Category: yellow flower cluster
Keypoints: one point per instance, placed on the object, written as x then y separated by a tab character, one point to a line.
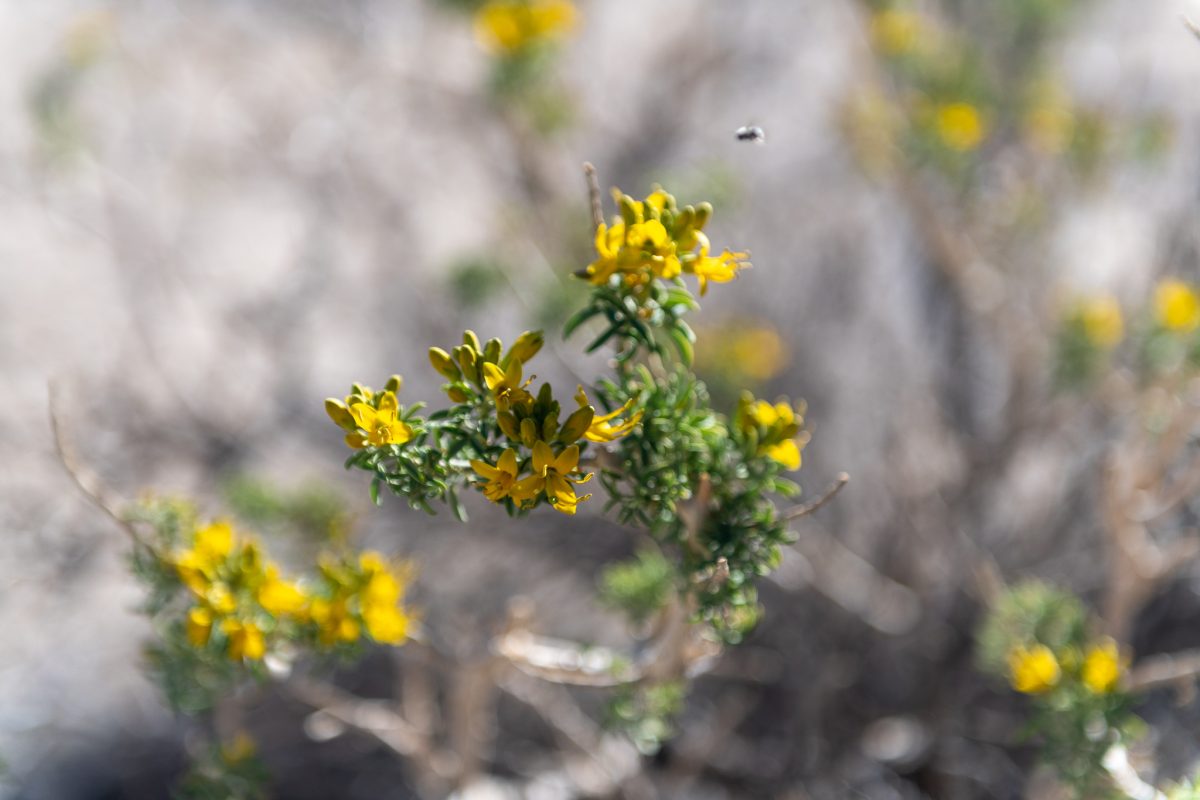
1036	669
1101	321
511	27
369	417
479	371
1177	306
243	597
654	238
774	430
363	593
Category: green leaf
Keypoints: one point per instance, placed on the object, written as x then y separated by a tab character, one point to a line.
578	318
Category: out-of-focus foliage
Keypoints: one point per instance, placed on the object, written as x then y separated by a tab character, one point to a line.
639	587
226	771
1038	638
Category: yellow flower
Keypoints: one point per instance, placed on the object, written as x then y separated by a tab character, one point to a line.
1102	667
199	626
758	353
602	429
505	385
1102	321
280	597
240	749
895	31
503	480
214	542
1177	305
1033	670
245	640
718	269
510	26
333	620
386	624
381	425
786	452
959	126
556	473
776	427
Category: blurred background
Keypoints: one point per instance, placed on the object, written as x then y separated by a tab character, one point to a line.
219	212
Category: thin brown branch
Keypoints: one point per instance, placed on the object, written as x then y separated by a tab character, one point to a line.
373	717
88	483
1165	670
593	184
808	508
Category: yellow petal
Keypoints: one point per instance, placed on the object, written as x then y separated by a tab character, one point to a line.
543	457
567	460
508	462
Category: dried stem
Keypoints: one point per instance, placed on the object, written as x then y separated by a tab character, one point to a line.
87	482
593	184
808	508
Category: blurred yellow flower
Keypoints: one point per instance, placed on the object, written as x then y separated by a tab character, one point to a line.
511	26
198	626
1102	321
1033	670
385	624
1049	128
959	126
1177	306
758	353
1102	667
774	427
281	597
895	31
245	640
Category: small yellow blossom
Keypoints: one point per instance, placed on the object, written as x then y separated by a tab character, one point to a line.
511	26
1102	321
895	31
556	474
718	269
334	621
1177	306
1033	670
281	597
959	126
602	428
245	640
503	480
1102	667
776	428
378	426
198	627
505	385
385	624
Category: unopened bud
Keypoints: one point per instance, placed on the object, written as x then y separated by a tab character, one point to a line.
444	365
341	415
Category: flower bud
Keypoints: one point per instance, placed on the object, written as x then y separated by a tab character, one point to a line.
472	341
491	351
341	415
444	365
576	425
628	210
457	394
703	213
393	384
525	347
529	432
508	424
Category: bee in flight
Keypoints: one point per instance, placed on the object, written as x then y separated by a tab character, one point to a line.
751	133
